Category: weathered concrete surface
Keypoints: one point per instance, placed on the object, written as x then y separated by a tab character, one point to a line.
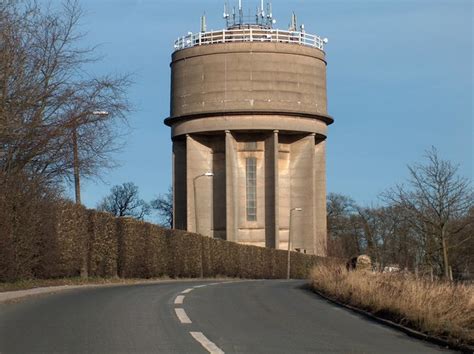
272	95
248	76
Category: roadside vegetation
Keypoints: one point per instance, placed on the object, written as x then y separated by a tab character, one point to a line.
424	225
440	308
25	284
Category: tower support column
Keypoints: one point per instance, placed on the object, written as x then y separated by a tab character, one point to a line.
231	183
272	233
319	206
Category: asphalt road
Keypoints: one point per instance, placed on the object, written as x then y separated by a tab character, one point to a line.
233	317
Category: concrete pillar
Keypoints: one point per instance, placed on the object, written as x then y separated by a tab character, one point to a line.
179	185
232	200
272	234
302	192
319	179
198	161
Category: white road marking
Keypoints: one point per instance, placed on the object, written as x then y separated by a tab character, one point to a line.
179	299
187	291
206	343
182	316
200	286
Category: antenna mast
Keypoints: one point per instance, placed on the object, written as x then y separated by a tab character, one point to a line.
226	15
241	13
203	23
293	24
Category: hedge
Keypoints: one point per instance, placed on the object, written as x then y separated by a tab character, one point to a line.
75	241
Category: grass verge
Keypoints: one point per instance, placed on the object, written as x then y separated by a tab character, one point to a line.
440	309
38	283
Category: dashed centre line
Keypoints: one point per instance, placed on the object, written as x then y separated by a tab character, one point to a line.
179	299
206	343
184	319
182	316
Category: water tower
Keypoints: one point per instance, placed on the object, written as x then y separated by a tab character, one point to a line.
248	124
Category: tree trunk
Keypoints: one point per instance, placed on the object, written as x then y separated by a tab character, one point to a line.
445	252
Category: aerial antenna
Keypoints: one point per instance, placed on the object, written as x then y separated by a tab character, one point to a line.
226	14
241	13
203	23
293	24
270	19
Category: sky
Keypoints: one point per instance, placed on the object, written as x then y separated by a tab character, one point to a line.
399	76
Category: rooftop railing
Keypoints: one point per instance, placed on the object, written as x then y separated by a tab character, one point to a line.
249	35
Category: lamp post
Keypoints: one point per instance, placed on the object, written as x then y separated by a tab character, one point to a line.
75	152
289	241
207	174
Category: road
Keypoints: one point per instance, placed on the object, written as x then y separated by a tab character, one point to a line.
269	316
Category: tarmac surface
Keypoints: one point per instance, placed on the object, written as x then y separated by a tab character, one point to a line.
261	316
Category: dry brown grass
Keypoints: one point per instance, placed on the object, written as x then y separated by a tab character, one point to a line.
440	309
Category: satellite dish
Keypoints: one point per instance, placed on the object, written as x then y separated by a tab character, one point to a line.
325	40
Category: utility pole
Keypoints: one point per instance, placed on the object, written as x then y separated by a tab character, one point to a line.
75	152
77	183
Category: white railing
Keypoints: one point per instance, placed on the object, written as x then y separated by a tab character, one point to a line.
249	35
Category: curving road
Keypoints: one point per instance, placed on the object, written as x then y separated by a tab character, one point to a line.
269	316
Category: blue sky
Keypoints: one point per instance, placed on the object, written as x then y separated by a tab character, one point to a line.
400	79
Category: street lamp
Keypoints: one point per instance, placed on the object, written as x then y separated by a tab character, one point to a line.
75	152
289	241
207	174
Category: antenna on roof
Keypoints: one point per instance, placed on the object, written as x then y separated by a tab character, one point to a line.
271	20
241	13
226	14
293	24
203	23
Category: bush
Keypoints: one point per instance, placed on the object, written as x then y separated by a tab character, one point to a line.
66	240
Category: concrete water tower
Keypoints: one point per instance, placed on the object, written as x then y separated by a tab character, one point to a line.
249	123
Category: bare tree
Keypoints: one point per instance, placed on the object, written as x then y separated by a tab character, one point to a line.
437	200
163	204
343	238
124	200
47	100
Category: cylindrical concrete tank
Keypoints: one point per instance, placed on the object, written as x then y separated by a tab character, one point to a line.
249	106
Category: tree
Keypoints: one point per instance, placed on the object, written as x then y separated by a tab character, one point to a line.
163	204
343	239
124	200
47	99
437	201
